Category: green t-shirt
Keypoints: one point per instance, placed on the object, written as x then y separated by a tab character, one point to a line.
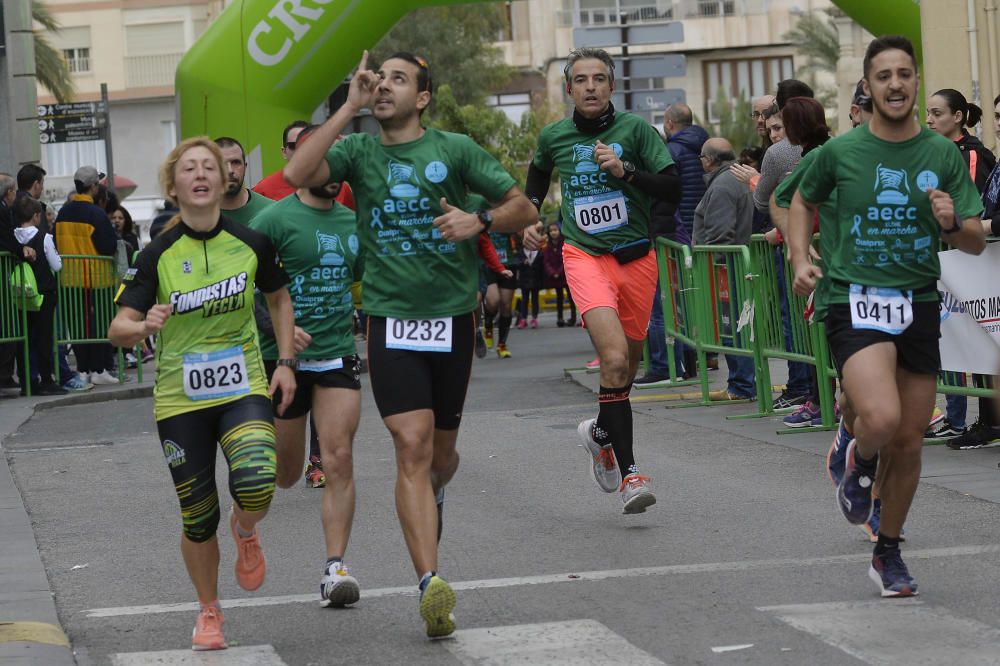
504	246
208	353
882	231
612	213
410	270
256	204
319	250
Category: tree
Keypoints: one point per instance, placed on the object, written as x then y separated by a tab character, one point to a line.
50	66
735	123
457	42
513	144
815	38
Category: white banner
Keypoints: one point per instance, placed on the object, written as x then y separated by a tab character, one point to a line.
970	311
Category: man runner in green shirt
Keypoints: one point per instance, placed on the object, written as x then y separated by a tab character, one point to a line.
420	281
316	239
611	166
238	202
899	187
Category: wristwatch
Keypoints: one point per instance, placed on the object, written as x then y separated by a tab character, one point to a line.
292	363
629	171
955	226
487	219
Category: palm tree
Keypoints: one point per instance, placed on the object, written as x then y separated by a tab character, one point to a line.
50	66
815	38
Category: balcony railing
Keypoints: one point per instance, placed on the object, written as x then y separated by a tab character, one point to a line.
663	11
151	70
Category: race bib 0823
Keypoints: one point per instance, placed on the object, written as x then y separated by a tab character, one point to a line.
218	374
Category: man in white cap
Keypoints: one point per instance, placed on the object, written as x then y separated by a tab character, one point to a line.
83	228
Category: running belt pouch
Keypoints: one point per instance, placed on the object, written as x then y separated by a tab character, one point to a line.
631	252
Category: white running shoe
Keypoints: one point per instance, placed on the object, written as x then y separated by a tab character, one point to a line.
338	588
103	377
635	492
603	466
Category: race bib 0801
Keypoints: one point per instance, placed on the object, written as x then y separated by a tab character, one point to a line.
218	374
881	309
600	212
430	335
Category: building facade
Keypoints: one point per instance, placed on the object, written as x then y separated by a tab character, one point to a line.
133	46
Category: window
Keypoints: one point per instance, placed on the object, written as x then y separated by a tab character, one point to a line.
154	38
608	12
77	60
514	105
716	7
750	78
506	31
63	159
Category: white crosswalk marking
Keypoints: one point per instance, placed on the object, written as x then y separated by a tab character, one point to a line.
253	655
572	643
908	632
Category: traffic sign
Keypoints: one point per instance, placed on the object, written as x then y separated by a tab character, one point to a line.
71	109
644	33
650	100
70	136
652	67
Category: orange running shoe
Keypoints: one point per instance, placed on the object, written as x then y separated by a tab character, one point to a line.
207	634
250	567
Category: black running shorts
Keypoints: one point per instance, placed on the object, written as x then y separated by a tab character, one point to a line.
348	377
405	380
917	347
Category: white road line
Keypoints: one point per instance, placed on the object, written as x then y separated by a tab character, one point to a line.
254	655
548	579
572	643
909	632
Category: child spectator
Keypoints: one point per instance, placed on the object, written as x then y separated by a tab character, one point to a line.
530	281
555	276
41	324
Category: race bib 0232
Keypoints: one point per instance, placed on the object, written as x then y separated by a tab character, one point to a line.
881	309
600	212
218	374
429	335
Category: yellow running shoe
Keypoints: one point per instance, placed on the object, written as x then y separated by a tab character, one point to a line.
488	337
502	350
437	602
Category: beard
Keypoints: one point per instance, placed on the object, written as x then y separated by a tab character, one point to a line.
326	191
233	188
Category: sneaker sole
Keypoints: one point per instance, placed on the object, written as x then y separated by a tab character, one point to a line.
639	503
875	578
588	443
436	608
807	424
663	383
346	592
222	645
840	507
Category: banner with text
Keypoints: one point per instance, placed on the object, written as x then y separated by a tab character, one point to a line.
970	311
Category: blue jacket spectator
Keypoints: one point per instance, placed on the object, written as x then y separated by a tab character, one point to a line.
684	141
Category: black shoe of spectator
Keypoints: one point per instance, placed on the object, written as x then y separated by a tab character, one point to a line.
979	436
786	400
49	389
9	383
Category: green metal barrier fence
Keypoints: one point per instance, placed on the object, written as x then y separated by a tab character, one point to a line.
728	287
87	287
677	297
13	317
808	340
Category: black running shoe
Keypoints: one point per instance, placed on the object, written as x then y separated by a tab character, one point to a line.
889	572
480	344
978	436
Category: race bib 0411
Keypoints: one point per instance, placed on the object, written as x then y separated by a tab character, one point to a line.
218	374
881	309
600	212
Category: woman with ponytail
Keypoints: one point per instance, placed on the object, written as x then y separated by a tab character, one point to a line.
948	114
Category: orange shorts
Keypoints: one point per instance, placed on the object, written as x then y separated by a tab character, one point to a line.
601	281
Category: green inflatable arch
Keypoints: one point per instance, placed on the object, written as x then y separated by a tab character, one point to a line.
265	63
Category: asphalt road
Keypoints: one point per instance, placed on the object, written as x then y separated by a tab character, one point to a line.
743	560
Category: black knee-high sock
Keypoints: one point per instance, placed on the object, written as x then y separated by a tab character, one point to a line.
504	325
615	419
488	318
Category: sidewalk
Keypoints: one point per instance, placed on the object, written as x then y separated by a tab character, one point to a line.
30	633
